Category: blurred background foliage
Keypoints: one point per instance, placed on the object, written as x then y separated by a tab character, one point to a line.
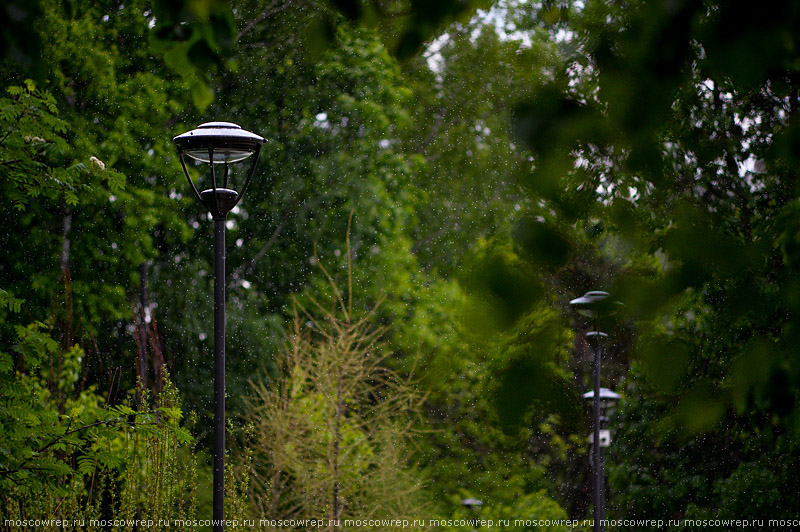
488	161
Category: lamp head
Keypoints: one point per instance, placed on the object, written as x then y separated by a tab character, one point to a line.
607	398
595	337
472	503
218	142
595	304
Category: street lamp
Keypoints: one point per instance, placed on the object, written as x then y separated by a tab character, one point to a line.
472	504
608	398
607	401
217	143
596	305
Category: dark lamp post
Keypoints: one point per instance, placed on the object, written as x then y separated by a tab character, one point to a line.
216	143
472	504
594	305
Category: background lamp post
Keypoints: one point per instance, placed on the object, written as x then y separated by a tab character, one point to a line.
472	504
219	143
607	401
596	305
607	398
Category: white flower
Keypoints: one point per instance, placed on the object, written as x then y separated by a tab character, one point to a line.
97	162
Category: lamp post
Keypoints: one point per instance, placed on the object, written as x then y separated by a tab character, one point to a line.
473	504
596	305
219	143
601	439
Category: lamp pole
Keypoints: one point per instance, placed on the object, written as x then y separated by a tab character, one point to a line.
473	504
597	449
219	373
606	401
219	143
594	305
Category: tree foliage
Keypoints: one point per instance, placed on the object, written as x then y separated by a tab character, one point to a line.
662	170
332	431
496	164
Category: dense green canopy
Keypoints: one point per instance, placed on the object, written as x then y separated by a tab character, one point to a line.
450	173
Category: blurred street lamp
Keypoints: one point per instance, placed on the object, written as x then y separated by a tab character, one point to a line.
219	143
472	503
607	398
596	305
607	401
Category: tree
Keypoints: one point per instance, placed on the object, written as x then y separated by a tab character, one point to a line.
465	87
668	165
332	430
67	452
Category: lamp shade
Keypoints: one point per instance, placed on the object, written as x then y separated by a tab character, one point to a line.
218	142
607	397
472	502
595	304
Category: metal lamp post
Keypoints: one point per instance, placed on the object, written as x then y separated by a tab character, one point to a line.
472	504
601	439
219	143
595	305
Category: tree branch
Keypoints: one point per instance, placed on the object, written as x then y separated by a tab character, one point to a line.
247	267
272	9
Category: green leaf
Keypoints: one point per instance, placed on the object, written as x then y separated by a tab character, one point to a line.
8	301
202	94
6	362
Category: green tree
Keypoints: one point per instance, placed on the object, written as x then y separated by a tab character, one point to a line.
333	430
667	166
85	261
67	453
